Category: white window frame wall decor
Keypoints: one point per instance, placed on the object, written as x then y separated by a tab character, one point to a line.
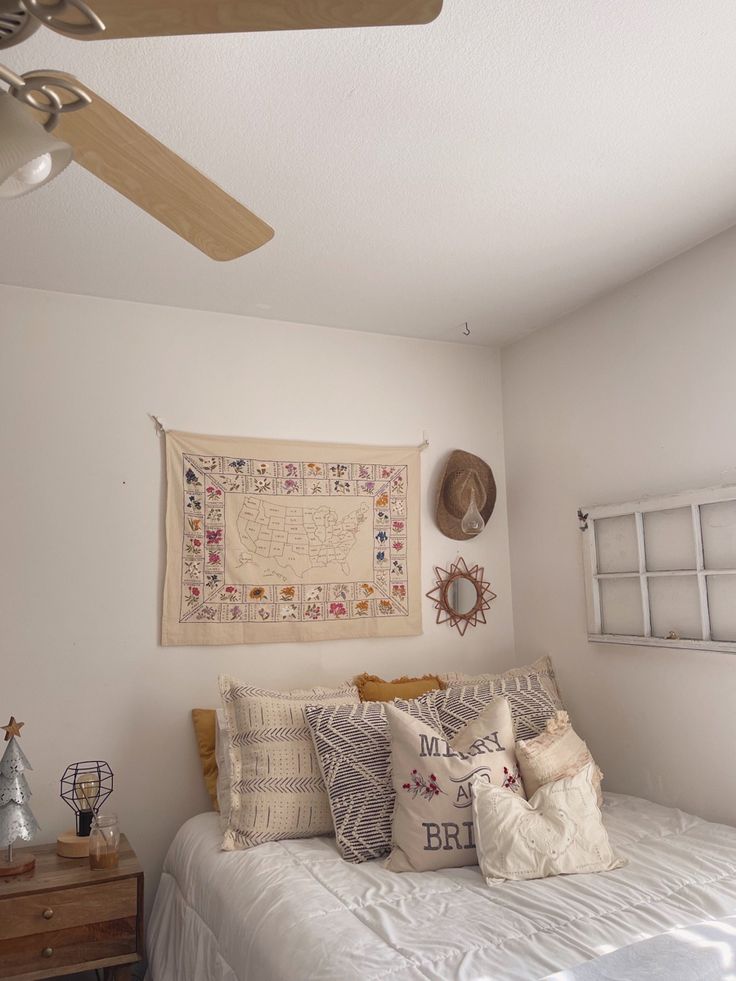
594	578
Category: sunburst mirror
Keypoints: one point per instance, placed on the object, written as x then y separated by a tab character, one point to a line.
461	596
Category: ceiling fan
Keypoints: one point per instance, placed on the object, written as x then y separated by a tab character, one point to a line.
105	142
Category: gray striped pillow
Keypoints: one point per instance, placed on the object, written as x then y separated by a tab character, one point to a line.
276	786
353	744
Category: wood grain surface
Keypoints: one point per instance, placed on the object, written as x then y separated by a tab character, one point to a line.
131	161
46	912
53	872
64	918
152	18
80	946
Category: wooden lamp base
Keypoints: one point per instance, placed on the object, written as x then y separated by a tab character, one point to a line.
71	845
20	863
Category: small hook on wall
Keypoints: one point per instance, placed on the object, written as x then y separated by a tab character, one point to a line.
160	430
466	329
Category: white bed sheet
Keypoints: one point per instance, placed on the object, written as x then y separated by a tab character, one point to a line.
295	911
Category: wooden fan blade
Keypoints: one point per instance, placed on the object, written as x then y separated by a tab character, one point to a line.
158	18
127	158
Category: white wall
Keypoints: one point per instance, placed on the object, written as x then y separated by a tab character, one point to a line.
633	395
82	504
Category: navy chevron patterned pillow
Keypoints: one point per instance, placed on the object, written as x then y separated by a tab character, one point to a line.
353	745
532	697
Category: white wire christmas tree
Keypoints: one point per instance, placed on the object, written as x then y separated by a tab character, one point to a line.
16	818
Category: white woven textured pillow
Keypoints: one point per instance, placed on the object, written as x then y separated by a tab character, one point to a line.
276	789
559	831
542	667
222	757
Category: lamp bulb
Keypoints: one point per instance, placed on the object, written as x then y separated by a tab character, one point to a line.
87	791
472	523
36	171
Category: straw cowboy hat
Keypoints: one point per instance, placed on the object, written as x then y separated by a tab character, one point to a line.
464	472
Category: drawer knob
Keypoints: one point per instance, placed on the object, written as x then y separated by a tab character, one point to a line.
47	914
47	952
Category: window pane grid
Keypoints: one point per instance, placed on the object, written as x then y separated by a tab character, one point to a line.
679	551
664	575
643	581
702	587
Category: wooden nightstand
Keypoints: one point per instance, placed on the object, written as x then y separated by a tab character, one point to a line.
63	918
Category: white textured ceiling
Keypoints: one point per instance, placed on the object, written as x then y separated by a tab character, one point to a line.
499	166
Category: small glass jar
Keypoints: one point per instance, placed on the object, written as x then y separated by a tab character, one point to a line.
104	842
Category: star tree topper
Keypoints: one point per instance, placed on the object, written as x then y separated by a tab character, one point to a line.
12	728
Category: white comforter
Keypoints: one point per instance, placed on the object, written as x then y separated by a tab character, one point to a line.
295	911
701	952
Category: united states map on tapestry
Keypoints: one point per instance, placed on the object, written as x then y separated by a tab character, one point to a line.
287	541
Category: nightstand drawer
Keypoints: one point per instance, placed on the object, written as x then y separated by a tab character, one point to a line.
59	909
60	948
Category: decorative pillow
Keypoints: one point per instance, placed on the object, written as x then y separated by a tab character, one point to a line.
531	691
375	689
204	730
558	832
433	822
222	744
542	666
276	790
558	752
353	747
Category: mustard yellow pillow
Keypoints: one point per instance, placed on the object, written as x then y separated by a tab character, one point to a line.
374	689
204	729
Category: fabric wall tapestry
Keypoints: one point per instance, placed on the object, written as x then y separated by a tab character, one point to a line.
274	541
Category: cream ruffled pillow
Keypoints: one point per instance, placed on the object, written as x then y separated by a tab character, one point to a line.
559	831
558	752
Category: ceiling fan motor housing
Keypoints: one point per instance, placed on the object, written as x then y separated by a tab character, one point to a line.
16	24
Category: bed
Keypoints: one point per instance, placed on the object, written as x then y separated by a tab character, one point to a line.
295	911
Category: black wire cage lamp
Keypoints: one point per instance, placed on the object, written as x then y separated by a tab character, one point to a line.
85	787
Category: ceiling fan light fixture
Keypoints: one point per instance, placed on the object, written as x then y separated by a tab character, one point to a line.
29	156
16	24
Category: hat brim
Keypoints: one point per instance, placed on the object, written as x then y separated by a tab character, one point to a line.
449	523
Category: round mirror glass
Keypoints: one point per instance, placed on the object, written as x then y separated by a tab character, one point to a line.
462	595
